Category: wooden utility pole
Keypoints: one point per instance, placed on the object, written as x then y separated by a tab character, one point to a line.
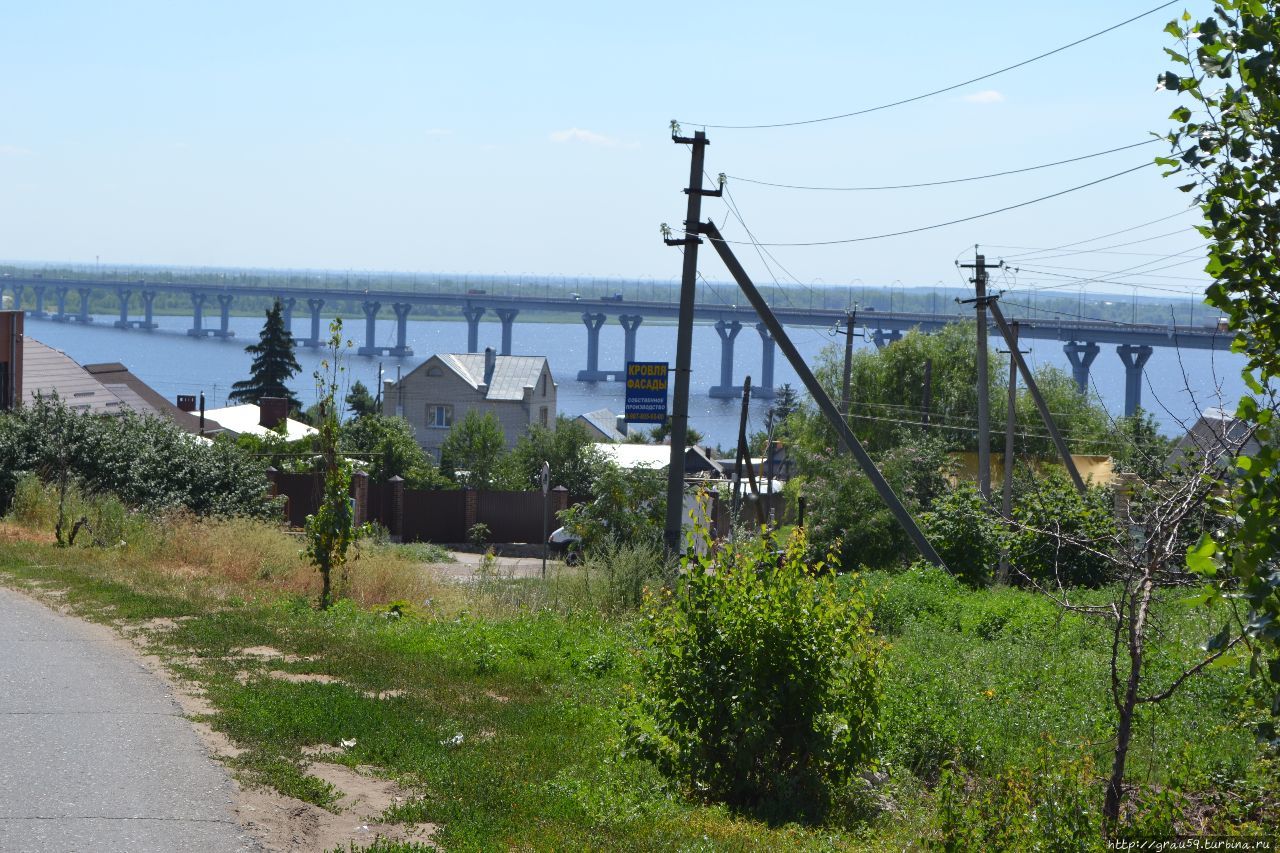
1006	498
743	450
845	401
689	241
979	267
926	396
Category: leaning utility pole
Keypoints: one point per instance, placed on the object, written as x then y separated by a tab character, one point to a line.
819	394
684	333
979	267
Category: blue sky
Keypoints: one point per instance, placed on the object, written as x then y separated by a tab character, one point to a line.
532	138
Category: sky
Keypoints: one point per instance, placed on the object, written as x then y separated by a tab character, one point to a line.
519	138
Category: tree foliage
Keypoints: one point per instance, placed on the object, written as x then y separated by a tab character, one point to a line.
472	453
148	462
569	449
273	364
359	401
388	446
1224	148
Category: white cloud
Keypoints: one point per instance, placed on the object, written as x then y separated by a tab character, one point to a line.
986	96
577	134
13	151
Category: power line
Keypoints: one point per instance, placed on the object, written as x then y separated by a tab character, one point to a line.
1183	212
940	183
1104	250
941	91
950	222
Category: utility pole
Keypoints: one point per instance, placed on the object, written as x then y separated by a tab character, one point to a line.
979	267
1006	498
689	242
743	450
849	317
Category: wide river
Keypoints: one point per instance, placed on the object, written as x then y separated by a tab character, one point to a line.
174	363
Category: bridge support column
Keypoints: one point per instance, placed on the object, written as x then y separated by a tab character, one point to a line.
629	322
1081	357
315	305
286	311
767	346
727	332
508	317
17	296
148	299
84	305
883	338
371	309
123	295
593	373
1135	358
402	348
473	315
39	313
224	304
197	329
60	295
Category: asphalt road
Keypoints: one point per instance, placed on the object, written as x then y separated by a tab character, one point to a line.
94	753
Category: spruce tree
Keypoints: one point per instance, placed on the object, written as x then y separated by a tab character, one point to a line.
273	363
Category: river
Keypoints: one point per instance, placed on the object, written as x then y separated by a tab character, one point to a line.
174	363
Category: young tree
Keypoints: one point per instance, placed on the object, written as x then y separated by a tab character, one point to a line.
360	402
273	363
472	452
391	450
1225	146
568	449
784	405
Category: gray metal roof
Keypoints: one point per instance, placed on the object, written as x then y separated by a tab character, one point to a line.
47	371
511	373
605	422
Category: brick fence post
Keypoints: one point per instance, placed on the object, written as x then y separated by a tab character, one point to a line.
395	522
360	492
471	511
559	500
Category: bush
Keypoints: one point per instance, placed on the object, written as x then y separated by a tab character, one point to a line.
620	573
965	533
1060	535
761	685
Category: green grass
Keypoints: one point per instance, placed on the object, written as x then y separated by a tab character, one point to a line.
992	682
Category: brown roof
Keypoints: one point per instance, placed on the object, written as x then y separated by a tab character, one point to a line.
47	371
133	391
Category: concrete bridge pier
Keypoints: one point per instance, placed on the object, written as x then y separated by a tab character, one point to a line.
768	347
286	311
315	305
1081	357
629	322
148	300
883	337
83	316
124	295
1135	358
593	373
402	348
224	304
371	309
508	317
39	313
60	295
197	329
18	290
727	332
473	313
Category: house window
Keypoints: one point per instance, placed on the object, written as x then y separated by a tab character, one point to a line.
434	371
439	417
542	415
544	384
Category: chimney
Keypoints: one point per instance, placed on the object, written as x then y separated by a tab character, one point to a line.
272	411
187	402
10	359
490	362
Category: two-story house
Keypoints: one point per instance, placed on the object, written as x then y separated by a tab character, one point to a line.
517	389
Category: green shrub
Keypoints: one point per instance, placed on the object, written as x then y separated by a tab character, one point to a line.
762	682
965	532
620	572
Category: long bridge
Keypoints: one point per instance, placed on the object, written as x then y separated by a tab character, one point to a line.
1082	339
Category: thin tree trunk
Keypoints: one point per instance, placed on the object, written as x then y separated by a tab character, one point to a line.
1127	705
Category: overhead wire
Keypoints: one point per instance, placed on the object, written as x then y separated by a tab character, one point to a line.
934	92
938	183
944	224
1036	251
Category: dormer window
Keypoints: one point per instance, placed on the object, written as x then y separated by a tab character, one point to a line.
434	371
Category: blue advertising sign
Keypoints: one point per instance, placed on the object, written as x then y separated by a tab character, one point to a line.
646	392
